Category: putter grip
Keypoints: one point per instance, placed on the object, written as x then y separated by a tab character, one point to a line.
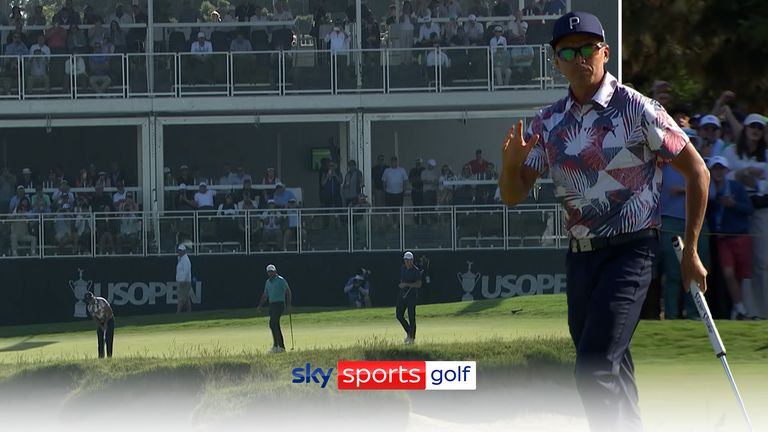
701	304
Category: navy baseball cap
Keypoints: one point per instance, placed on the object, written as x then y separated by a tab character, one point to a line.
576	22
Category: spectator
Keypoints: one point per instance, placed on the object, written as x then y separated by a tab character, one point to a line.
183	202
475	31
76	40
129	235
291	231
451	29
10	65
259	15
437	56
394	179
270	179
417	187
16	199
103	179
357	289
229	15
282	13
40	208
116	173
40	196
239	176
338	40
281	195
673	223
430	180
97	33
353	183
118	38
81	76
101	201
554	7
330	186
64	230
426	30
247	192
497	40
184	176
272	221
478	165
408	20
517	28
119	197
240	43
445	192
459	39
521	61
37	72
120	16
68	15
710	131
378	186
728	212
37	18
168	179
227	218
391	15
89	16
20	229
56	39
502	65
82	225
465	194
98	70
201	62
204	197
7	189
748	160
26	178
138	36
40	45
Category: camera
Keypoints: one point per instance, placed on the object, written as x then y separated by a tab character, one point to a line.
363	272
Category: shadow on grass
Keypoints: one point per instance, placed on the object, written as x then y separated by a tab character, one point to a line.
478	306
26	345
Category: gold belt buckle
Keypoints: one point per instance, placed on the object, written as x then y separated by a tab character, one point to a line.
585	245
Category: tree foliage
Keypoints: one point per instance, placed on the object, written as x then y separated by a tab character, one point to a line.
701	47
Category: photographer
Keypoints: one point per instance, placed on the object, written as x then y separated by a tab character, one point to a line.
358	289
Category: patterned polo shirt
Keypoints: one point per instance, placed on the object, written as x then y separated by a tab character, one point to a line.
605	158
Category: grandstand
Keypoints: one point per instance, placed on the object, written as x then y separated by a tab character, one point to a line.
114	119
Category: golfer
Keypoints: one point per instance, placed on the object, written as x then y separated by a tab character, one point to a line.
410	282
277	291
183	279
604	145
101	313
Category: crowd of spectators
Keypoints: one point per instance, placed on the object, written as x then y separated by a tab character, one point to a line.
735	242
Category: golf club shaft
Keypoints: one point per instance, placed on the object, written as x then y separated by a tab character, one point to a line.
714	335
290	320
736	391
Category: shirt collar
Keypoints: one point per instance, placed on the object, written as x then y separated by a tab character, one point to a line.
603	94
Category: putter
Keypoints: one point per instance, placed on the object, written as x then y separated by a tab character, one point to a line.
290	320
714	335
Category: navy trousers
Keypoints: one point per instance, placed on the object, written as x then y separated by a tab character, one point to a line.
606	291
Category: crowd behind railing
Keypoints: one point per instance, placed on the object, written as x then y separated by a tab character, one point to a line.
436	46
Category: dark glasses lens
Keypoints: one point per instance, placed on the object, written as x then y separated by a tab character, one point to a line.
586	51
757	126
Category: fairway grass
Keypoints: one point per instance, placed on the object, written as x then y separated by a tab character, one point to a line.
220	358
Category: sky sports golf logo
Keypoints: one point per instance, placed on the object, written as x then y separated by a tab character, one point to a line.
392	375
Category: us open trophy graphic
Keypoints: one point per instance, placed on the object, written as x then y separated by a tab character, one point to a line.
468	281
79	288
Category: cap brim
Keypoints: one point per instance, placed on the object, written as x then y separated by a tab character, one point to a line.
554	41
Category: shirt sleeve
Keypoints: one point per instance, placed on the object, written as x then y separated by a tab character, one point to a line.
662	135
537	158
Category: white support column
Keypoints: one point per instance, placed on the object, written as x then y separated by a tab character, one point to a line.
367	157
158	154
346	137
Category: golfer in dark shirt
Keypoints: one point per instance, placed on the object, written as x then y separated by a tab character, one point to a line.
101	313
410	282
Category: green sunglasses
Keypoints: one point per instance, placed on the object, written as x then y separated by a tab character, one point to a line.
586	51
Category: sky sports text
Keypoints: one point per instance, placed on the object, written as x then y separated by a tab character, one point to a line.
393	375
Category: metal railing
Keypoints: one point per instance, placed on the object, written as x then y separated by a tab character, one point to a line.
288	230
297	71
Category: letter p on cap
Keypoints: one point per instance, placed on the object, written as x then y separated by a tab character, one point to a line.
574	21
